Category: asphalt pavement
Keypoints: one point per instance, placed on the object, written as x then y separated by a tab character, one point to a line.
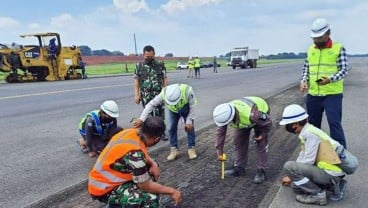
354	123
39	122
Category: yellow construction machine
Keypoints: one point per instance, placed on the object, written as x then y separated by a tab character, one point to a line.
46	61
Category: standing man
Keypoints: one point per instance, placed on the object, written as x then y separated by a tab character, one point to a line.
122	174
324	70
197	67
214	64
190	67
149	79
244	115
95	128
180	100
310	178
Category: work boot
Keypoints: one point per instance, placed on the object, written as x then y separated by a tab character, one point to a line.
338	190
319	199
236	171
260	176
174	153
192	153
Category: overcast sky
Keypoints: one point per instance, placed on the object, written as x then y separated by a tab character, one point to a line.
187	27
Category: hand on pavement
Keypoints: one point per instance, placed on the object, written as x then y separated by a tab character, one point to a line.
137	123
92	154
286	181
176	196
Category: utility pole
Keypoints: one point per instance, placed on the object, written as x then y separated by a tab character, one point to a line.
135	46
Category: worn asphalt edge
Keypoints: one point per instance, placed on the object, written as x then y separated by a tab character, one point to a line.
81	186
276	184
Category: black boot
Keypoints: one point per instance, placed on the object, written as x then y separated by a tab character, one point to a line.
236	171
337	190
260	176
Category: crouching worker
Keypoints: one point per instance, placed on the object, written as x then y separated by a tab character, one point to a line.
95	128
244	115
122	174
311	176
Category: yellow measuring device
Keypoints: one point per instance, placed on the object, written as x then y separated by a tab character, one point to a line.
223	166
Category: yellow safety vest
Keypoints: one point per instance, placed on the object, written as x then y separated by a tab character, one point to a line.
95	116
185	90
197	63
323	62
244	108
103	178
323	136
191	64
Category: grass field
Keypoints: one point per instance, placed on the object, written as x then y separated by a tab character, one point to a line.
121	68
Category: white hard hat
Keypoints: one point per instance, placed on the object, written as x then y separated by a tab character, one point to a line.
319	27
223	114
173	94
292	114
110	108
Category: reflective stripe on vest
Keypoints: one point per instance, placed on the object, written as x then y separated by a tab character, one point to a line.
94	114
185	90
323	63
102	178
106	173
330	168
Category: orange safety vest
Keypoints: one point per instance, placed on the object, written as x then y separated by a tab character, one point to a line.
102	178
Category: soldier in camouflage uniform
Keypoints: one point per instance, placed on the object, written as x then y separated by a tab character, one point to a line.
150	77
124	174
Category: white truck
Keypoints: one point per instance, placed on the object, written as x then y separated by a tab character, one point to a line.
244	57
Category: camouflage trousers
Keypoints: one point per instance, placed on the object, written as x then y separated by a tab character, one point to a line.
129	195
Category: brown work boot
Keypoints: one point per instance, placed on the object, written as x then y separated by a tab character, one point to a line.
174	153
192	153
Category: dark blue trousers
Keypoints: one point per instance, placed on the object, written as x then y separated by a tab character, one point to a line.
173	120
332	105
